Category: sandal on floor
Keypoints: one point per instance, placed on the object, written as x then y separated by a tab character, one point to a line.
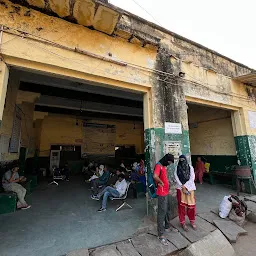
185	228
194	226
163	241
168	230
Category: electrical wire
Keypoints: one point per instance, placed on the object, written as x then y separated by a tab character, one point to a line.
24	34
144	9
93	68
6	42
213	85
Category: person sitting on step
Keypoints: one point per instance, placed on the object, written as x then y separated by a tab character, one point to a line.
118	190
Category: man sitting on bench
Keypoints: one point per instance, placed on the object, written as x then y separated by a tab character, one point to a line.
10	183
118	190
101	181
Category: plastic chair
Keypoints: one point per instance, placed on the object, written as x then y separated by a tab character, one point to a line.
56	176
123	198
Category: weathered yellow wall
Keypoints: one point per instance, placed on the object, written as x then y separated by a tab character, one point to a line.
4	76
214	135
59	129
38	130
201	84
28	132
210	88
73	35
27	138
8	114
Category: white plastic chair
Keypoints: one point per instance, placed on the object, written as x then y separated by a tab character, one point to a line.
123	198
56	177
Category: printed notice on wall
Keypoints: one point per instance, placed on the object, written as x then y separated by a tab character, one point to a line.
172	147
252	119
174	128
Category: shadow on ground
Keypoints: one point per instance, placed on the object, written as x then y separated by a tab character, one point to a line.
64	218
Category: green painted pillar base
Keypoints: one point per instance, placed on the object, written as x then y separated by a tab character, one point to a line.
155	140
246	151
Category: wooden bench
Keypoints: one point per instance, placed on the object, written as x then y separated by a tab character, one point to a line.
213	174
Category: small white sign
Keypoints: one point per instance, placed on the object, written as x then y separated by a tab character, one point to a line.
174	128
252	119
172	147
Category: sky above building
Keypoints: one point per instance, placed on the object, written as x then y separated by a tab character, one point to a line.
226	26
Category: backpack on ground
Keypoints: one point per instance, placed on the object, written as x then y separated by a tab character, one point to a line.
238	211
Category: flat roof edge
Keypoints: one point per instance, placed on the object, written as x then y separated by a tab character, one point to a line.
158	27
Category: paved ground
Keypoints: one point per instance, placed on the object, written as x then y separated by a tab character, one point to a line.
208	197
245	245
63	219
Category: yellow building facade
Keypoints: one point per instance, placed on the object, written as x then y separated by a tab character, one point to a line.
91	42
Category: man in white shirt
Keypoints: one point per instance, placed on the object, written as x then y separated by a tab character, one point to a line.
118	190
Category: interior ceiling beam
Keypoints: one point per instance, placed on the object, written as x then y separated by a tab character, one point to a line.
24	96
84	96
86	114
87	106
58	82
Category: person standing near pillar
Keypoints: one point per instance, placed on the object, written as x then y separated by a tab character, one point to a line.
199	170
185	180
162	184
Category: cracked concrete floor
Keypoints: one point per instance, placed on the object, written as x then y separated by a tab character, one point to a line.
64	218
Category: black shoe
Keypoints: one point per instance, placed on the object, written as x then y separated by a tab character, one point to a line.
102	209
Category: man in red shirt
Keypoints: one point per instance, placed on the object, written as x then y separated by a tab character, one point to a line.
161	179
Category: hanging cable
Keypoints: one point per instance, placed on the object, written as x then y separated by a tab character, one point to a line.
144	9
34	37
24	34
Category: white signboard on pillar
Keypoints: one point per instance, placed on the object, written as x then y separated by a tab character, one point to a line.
173	128
252	119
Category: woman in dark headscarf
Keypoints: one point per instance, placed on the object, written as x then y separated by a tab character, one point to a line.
185	178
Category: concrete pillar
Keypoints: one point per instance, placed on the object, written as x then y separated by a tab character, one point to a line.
168	105
4	76
245	139
8	111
